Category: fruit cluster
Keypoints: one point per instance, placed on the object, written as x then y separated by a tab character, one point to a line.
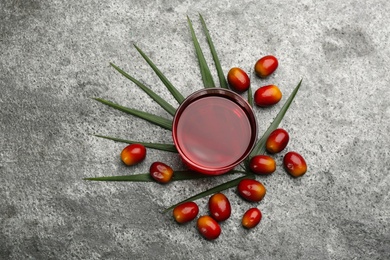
220	210
249	189
264	96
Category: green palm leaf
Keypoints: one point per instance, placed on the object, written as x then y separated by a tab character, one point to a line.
175	93
142	177
250	97
221	75
145	177
260	145
157	146
157	120
207	78
165	105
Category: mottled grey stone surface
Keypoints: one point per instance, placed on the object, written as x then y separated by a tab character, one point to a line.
54	56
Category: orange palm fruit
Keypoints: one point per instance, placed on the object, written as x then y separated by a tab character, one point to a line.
251	190
185	212
133	154
266	66
238	80
277	141
294	164
161	172
251	218
267	96
208	227
219	207
262	164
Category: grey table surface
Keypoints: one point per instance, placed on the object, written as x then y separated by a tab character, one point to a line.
54	57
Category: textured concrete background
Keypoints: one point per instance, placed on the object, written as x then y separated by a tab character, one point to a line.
54	56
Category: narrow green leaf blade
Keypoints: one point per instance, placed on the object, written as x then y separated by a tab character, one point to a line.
221	75
157	146
213	190
207	78
175	93
187	175
157	120
165	105
145	177
250	96
142	177
260	145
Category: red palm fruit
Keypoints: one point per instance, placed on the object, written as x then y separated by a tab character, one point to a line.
294	164
266	66
185	212
208	227
262	164
133	154
251	190
251	218
267	96
277	141
161	172
238	79
219	207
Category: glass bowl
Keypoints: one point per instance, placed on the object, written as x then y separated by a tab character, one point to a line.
214	130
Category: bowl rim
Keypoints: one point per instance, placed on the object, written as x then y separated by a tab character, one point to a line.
237	99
